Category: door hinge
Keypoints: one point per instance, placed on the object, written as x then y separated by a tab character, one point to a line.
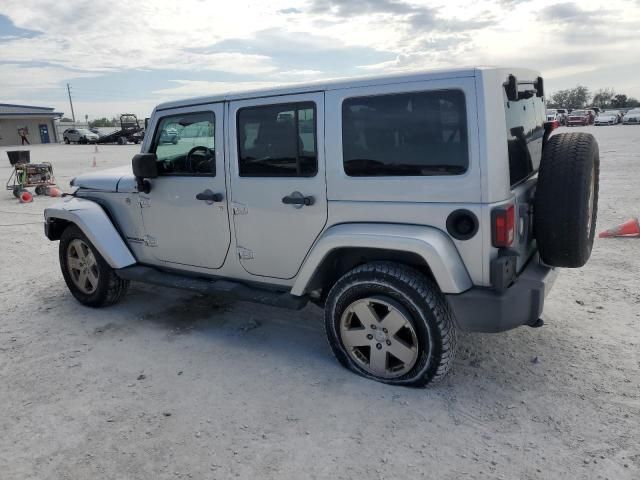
240	209
150	241
245	253
145	202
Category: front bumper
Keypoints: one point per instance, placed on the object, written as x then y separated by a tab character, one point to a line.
485	310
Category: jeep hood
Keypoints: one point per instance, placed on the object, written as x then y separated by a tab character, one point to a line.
118	179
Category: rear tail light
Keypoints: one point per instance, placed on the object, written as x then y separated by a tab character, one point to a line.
504	226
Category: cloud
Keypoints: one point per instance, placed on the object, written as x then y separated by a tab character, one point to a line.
290	10
19	79
146	51
565	13
9	31
193	88
349	8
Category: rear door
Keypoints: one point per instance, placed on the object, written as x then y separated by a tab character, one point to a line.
277	180
525	132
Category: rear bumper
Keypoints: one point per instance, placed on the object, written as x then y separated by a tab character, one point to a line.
485	310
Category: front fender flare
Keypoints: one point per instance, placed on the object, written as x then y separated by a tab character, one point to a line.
436	248
96	225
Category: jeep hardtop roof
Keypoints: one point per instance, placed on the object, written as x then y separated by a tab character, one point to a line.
339	83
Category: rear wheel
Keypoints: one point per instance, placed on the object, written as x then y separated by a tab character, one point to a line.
89	277
390	323
17	190
566	201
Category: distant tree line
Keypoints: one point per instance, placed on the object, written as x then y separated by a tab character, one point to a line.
580	97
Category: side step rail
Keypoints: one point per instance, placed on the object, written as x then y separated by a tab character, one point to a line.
236	290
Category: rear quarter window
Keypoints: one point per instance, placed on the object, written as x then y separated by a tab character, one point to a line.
405	134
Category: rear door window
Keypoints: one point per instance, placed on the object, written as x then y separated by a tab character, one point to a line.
408	134
525	131
277	140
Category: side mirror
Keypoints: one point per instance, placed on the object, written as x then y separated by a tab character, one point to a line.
144	166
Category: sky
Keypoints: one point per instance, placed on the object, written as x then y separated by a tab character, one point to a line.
128	56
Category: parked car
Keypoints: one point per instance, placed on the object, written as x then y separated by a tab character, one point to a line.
79	135
563	113
632	117
367	197
608	117
552	114
579	117
169	135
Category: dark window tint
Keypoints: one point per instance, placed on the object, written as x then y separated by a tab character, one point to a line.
277	141
185	144
525	130
421	133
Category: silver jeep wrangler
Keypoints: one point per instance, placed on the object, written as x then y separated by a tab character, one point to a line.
408	207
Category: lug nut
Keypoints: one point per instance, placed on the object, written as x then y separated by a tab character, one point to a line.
373	327
369	336
379	346
384	330
388	342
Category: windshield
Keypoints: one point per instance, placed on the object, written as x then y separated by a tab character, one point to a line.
611	113
83	130
579	112
551	112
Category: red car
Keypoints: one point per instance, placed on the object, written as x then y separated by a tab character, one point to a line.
579	117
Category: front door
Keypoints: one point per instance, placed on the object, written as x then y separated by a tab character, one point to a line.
185	213
277	180
44	133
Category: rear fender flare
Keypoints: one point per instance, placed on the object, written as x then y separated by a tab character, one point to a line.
431	244
96	225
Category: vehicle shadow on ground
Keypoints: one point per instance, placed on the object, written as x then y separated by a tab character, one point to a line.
297	337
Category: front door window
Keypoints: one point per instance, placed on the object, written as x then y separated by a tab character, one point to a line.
185	144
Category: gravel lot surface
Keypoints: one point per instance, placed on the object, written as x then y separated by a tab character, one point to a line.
169	385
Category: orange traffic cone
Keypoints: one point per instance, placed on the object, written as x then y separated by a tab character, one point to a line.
53	192
630	228
26	197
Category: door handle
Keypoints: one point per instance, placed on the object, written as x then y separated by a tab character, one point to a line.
298	199
209	197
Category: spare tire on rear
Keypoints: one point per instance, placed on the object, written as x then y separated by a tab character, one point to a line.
566	199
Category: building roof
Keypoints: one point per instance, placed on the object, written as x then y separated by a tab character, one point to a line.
12	110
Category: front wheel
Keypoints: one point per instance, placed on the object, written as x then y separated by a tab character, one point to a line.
89	277
390	323
66	140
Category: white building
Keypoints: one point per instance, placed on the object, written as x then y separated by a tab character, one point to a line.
25	123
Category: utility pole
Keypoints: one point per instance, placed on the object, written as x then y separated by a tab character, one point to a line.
73	115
